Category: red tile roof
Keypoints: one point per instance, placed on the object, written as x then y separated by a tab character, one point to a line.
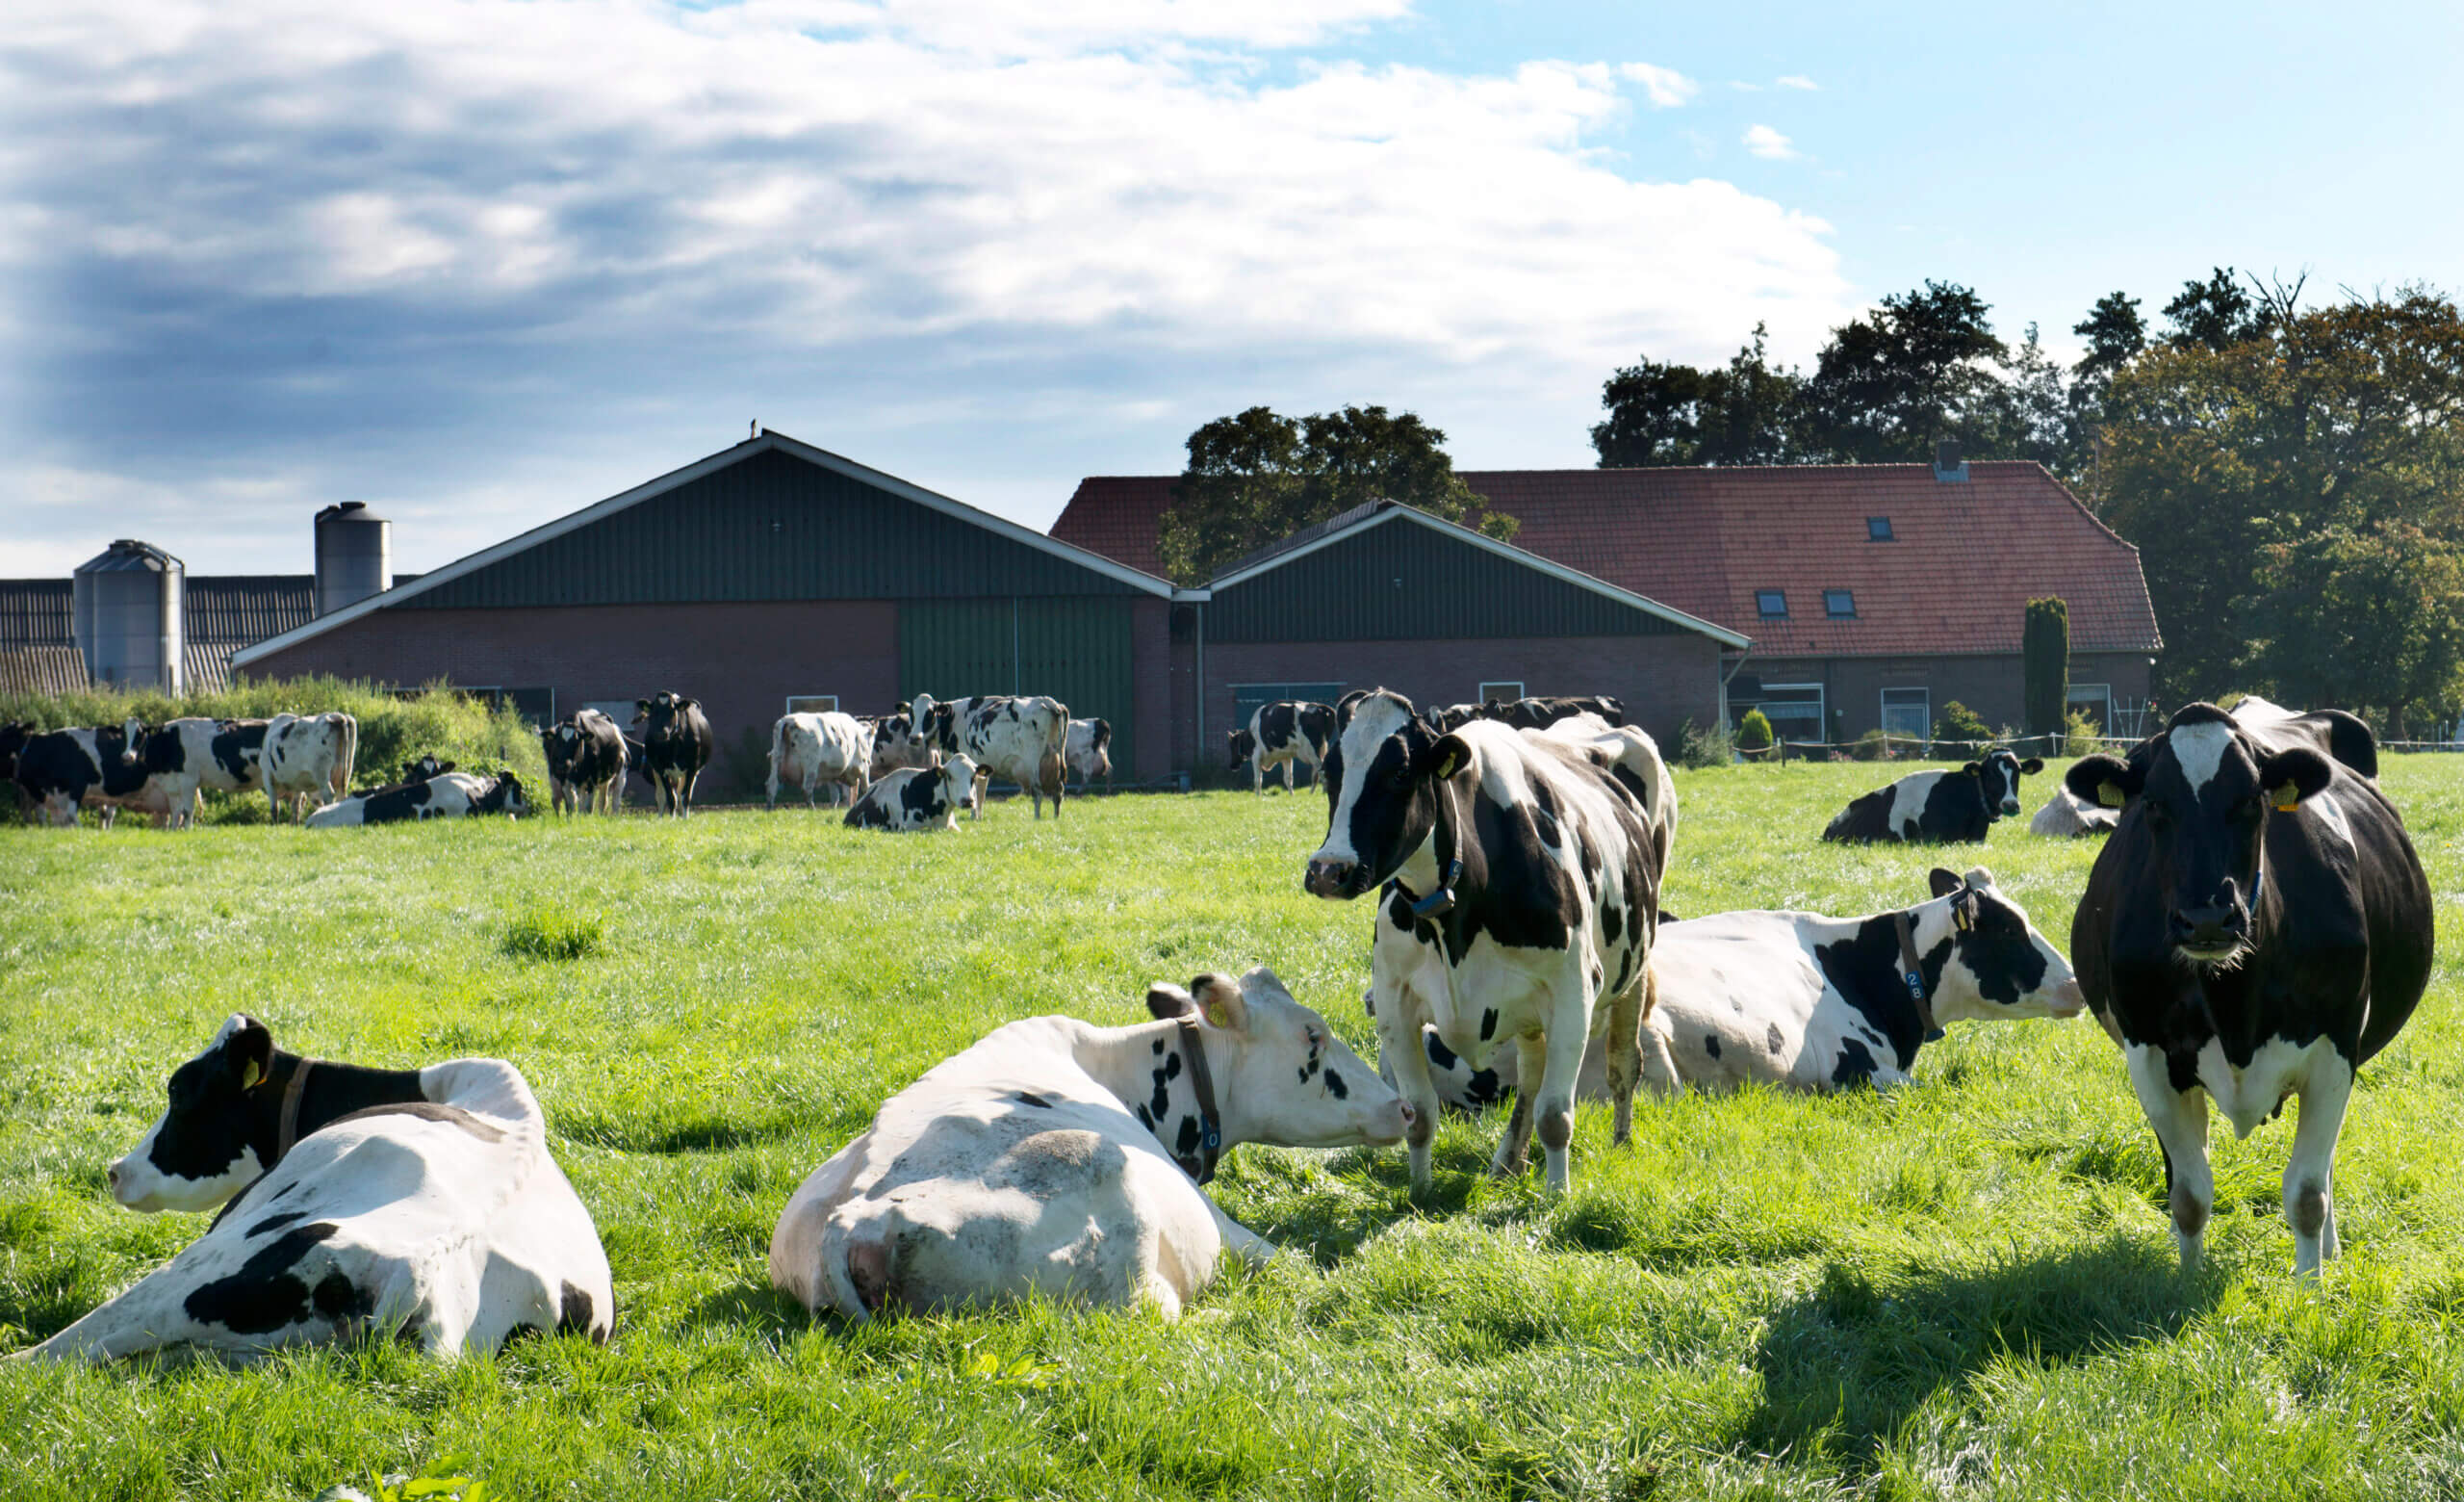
1966	556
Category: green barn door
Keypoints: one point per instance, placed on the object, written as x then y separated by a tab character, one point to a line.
1073	649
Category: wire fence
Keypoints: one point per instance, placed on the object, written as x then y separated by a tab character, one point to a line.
1925	748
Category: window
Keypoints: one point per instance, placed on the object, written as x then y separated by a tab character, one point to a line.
1772	605
1909	713
620	710
1878	528
1841	604
1500	690
2097	699
1794	709
1248	697
811	703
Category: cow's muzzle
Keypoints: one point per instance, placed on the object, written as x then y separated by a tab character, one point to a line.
2209	933
2010	808
2069	999
1340	880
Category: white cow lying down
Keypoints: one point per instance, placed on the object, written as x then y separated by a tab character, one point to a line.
1809	1002
1062	1158
418	1203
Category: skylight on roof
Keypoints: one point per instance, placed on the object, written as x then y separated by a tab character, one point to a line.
1772	605
1841	604
1878	528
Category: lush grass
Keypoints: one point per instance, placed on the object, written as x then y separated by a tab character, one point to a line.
1967	1287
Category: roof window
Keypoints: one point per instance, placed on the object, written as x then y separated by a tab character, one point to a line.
1841	604
1772	605
1878	528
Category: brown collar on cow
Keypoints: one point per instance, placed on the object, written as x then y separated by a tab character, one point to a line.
287	1132
1912	970
1200	1166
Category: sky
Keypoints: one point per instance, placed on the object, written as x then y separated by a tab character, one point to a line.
480	264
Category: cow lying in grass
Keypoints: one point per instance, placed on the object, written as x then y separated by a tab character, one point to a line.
416	1203
1807	1002
1061	1158
446	796
916	798
1925	807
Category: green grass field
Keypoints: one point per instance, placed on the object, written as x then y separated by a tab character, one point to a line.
1967	1288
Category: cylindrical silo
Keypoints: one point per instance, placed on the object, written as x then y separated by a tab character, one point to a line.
127	602
354	555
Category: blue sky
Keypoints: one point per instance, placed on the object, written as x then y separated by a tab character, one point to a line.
479	264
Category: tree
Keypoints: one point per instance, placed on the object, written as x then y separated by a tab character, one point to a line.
2034	415
2115	332
2044	666
2216	314
1888	387
1256	477
1744	412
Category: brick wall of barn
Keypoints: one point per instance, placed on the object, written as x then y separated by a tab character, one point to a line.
1987	682
1665	680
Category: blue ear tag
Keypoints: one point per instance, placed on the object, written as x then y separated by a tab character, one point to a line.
1439	903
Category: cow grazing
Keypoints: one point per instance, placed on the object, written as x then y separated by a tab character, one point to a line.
1531	713
1020	738
447	795
676	745
102	766
2255	928
916	798
815	751
1087	752
1938	806
1282	734
1060	1159
585	755
416	1203
2066	815
1802	1002
307	758
1522	888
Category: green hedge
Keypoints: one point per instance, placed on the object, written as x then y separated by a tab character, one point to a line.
393	728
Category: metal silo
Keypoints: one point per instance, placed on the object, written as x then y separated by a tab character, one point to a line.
127	602
354	555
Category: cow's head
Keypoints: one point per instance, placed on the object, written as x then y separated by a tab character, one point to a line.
1382	776
504	796
1282	1075
1998	781
1998	967
217	1133
425	769
132	739
895	745
2196	801
957	778
1242	745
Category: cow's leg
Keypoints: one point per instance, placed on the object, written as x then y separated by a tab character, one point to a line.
1288	764
1399	1040
684	797
1514	1150
2180	1123
1240	1241
1625	1058
1258	776
2309	1179
1552	1107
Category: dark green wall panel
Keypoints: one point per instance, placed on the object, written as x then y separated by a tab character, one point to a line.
1077	649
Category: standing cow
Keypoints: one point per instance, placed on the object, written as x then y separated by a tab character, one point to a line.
1020	738
815	751
1089	752
585	755
1938	806
307	758
100	767
2255	928
1281	734
676	744
898	745
1522	890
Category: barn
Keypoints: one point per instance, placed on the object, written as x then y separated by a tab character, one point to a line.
1873	594
771	575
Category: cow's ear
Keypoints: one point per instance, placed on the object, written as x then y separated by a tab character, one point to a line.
2031	765
1165	1001
1446	756
1219	1002
1973	769
2107	781
643	705
1942	882
686	704
247	1052
1979	878
2293	775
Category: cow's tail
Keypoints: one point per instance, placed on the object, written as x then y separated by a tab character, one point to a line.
777	755
1054	764
346	759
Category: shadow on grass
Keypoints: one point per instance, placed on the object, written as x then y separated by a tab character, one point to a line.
1846	1366
703	1135
758	1309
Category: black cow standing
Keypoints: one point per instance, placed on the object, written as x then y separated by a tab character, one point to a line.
2257	926
1281	734
586	760
676	744
60	769
1938	806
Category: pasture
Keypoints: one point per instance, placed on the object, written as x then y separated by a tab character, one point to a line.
1967	1288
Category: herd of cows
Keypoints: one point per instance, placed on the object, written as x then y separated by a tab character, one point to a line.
2256	926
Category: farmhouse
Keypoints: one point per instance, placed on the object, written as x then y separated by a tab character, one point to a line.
1872	595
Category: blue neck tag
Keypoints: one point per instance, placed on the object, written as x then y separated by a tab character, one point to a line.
1440	902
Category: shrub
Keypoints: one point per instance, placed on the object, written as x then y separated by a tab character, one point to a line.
1874	746
1697	746
1961	732
553	933
2079	736
2044	665
1753	732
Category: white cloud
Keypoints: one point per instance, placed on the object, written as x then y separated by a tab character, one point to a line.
321	231
1665	87
1799	81
1768	144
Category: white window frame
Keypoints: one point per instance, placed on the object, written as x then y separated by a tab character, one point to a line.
1820	702
2092	695
1884	704
811	703
1485	694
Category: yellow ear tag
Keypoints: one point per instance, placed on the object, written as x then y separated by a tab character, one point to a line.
253	1078
2109	795
1216	1013
2286	797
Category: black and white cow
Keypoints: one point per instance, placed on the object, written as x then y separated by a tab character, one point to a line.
2066	815
1521	890
62	771
307	758
1019	738
1801	1001
1089	752
916	798
1531	713
13	740
426	766
676	745
1283	733
1060	1159
1938	806
815	751
447	795
898	745
416	1203
2257	926
585	755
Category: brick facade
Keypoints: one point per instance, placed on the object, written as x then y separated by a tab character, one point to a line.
1988	682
